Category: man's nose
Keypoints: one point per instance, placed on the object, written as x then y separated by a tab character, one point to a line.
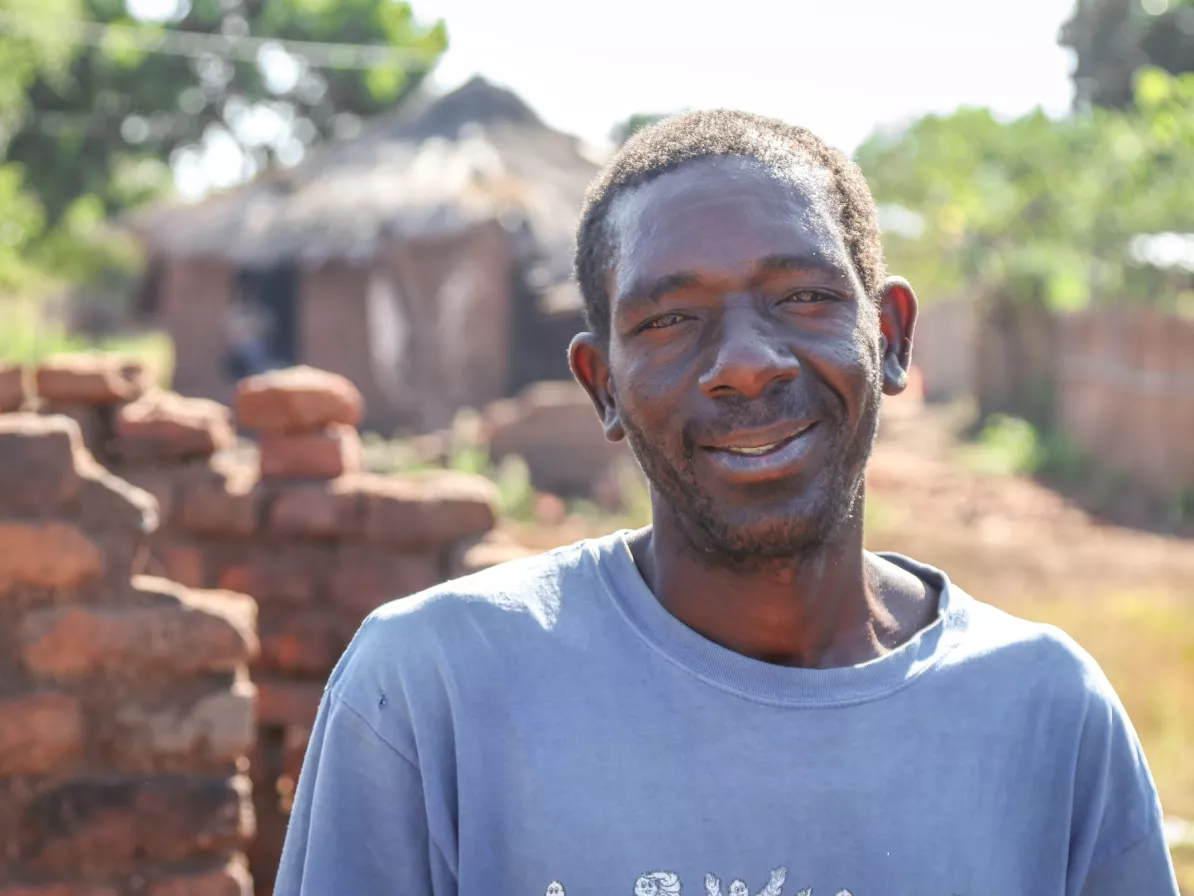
748	356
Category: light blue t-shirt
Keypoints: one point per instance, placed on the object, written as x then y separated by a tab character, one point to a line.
547	728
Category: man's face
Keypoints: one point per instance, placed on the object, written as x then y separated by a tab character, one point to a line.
745	357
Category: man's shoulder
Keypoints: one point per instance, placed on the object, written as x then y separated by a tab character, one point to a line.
1033	657
514	605
526	588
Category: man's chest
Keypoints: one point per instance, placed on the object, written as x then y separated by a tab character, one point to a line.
767	804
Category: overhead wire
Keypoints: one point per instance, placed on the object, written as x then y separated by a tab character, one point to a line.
173	42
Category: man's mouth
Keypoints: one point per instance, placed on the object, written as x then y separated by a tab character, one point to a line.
755	443
775	451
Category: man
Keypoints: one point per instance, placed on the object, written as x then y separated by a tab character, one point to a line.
739	693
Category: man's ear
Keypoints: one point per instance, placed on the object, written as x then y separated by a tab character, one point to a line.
897	320
590	365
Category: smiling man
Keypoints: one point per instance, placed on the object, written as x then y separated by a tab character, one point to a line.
740	692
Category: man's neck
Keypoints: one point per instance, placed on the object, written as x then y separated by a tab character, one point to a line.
838	607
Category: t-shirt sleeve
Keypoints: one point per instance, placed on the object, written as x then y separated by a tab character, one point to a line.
359	821
1144	868
1117	842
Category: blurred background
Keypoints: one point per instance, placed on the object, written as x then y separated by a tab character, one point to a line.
218	188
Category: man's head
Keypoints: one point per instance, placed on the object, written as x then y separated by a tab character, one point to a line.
742	329
777	145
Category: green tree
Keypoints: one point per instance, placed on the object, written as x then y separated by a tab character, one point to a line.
624	130
1113	39
100	137
1046	207
39	52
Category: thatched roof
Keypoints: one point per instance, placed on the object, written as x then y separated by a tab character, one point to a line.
432	166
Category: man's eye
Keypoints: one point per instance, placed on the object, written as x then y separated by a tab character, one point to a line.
664	321
805	297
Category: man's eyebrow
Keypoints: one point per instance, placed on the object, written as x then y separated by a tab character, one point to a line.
774	264
656	289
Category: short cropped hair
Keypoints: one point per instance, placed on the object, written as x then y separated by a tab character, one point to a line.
665	146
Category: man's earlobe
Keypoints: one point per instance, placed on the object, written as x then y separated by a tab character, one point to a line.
897	321
589	363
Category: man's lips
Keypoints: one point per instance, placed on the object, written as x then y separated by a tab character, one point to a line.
757	442
757	455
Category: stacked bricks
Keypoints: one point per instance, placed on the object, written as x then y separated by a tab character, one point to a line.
320	545
126	712
297	526
306	420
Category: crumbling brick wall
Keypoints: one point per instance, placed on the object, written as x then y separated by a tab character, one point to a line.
126	712
317	542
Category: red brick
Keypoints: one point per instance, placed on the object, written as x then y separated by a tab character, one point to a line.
294	752
297	399
181	562
186	632
279	574
164	426
161	484
324	454
220	499
232	879
364	579
306	641
94	422
38	463
12	388
427	511
97	378
41	733
316	509
288	703
117	823
107	503
218	726
47	555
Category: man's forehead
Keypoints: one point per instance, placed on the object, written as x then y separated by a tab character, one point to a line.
801	179
743	198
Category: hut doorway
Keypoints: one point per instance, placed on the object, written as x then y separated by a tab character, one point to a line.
264	320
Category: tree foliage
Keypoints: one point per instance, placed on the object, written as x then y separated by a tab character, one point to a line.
1112	39
106	129
624	130
1052	205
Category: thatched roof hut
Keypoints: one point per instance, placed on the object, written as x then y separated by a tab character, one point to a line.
414	258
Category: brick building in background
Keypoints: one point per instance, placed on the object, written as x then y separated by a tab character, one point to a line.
427	260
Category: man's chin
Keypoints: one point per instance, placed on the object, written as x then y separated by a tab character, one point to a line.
754	541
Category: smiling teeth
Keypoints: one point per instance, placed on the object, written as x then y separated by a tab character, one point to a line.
762	449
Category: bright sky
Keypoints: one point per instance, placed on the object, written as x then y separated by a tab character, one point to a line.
839	67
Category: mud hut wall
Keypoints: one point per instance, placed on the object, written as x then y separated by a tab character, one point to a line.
193	303
335	334
125	707
1126	394
943	348
458	296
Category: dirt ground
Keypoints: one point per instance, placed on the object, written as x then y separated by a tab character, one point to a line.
1002	537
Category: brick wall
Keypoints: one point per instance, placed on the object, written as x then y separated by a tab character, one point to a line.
1125	394
125	707
298	526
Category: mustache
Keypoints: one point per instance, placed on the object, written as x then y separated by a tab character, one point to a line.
737	412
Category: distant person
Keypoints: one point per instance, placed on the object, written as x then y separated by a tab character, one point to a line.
739	699
245	331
